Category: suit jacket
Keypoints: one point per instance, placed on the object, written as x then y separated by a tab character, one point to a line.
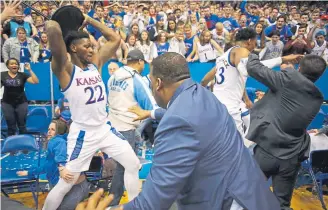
279	120
200	159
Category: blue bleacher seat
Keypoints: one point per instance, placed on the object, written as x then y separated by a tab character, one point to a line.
39	116
9	179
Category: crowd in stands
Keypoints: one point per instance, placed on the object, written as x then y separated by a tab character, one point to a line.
201	31
198	30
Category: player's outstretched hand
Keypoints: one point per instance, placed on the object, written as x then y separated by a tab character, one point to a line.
292	58
96	202
142	114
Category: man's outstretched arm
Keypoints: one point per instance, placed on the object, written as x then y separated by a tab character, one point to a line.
272	79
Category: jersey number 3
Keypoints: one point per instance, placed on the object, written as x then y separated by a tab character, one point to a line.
220	77
92	90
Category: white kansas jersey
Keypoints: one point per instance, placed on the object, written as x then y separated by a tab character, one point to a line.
319	50
206	52
86	94
230	83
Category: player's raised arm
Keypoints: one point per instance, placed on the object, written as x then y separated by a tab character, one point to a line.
60	64
113	42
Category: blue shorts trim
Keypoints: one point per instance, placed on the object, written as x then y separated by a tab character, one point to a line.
78	146
114	131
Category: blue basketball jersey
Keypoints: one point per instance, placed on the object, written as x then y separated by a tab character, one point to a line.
162	48
189	43
45	54
25	54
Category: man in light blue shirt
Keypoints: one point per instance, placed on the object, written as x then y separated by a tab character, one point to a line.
126	88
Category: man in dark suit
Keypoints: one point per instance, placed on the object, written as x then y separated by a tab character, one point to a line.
200	160
279	120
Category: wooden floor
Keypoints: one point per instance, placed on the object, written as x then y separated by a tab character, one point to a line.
302	200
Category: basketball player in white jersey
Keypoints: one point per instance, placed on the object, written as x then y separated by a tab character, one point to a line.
231	74
82	85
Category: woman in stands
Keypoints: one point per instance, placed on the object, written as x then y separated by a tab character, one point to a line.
54	166
24	49
192	20
260	37
171	28
14	102
207	49
147	47
134	30
45	54
162	45
131	42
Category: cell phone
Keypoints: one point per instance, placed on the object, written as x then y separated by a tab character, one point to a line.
300	37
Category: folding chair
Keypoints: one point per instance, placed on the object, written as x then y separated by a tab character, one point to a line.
95	170
94	174
317	165
37	121
9	180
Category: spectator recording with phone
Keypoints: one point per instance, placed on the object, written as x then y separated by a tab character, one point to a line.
14	101
299	45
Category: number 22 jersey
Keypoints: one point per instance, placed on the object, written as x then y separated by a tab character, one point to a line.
86	94
229	83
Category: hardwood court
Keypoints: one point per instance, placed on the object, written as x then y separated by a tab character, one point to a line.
302	199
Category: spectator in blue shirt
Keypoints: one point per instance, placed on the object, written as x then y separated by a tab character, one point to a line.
62	109
23	48
252	19
273	16
99	17
285	32
116	11
192	10
228	21
88	8
10	28
45	53
210	18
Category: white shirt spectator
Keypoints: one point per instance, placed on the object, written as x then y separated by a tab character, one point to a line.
129	19
177	46
221	40
149	51
272	50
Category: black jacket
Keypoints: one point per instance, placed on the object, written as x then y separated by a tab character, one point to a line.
279	120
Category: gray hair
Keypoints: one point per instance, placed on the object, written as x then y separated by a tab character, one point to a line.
171	67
